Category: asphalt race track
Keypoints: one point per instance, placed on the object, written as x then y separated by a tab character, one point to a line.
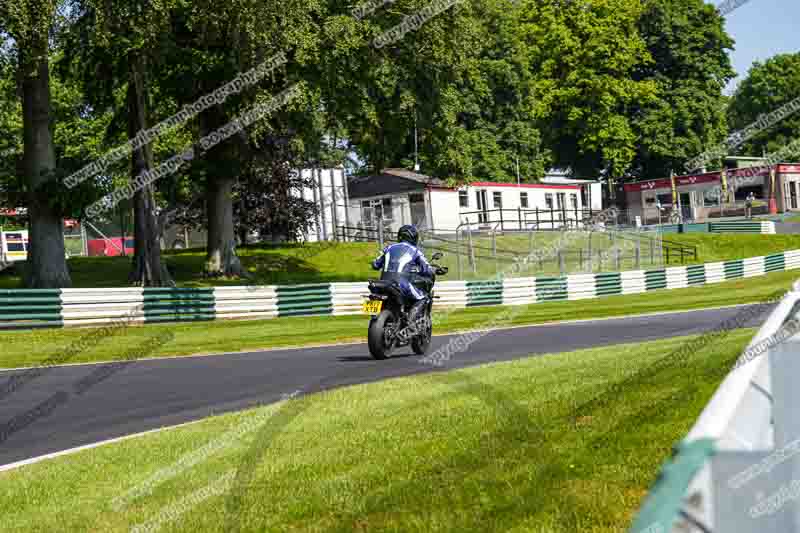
146	395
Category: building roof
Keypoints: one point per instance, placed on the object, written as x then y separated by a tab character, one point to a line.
390	181
524	185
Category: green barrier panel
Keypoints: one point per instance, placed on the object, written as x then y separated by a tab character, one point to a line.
31	325
696	274
23	292
735	227
24	308
695	228
669	228
608	284
178	305
551	289
484	293
734	269
309	299
775	263
664	502
655	279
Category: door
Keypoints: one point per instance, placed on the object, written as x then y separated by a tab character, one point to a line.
793	192
417	207
685	200
483	216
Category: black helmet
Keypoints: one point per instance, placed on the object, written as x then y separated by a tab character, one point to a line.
408	234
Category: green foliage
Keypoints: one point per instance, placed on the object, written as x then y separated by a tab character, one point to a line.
690	68
767	87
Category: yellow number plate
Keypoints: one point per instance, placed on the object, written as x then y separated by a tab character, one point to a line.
372	307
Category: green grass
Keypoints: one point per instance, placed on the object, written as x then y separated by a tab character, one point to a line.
32	348
311	263
712	247
347	262
492	448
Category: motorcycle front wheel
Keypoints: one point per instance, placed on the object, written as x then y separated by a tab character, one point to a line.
379	345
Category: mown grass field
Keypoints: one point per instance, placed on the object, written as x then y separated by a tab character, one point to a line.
501	447
346	262
33	348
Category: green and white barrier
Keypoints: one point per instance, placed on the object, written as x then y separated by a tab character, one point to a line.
21	308
744	226
736	470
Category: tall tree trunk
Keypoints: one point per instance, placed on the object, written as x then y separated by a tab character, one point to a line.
221	258
147	269
47	264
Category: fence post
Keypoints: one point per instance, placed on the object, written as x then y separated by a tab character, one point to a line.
502	226
580	258
638	253
459	253
530	242
591	259
471	250
380	233
652	251
494	249
561	262
537	218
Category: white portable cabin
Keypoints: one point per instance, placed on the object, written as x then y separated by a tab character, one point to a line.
329	194
13	246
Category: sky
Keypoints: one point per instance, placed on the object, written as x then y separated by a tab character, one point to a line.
761	29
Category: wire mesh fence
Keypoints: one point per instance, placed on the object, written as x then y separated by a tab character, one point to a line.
475	254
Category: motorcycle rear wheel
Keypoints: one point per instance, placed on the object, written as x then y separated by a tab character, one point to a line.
422	343
379	348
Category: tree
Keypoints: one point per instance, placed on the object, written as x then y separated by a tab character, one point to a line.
584	54
115	46
29	23
768	87
688	44
220	41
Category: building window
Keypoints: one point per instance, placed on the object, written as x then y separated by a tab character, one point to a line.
664	199
560	197
573	198
367	214
548	200
711	197
463	199
497	196
388	212
374	210
523	199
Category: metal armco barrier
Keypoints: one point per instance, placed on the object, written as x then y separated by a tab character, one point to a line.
31	308
738	469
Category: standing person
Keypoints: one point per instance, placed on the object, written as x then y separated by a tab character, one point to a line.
748	205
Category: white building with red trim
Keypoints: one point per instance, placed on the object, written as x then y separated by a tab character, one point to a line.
699	196
396	197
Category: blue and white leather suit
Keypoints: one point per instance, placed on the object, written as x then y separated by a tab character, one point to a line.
404	258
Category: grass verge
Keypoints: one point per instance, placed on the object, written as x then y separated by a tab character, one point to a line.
32	348
490	448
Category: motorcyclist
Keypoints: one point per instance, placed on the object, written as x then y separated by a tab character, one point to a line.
398	262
